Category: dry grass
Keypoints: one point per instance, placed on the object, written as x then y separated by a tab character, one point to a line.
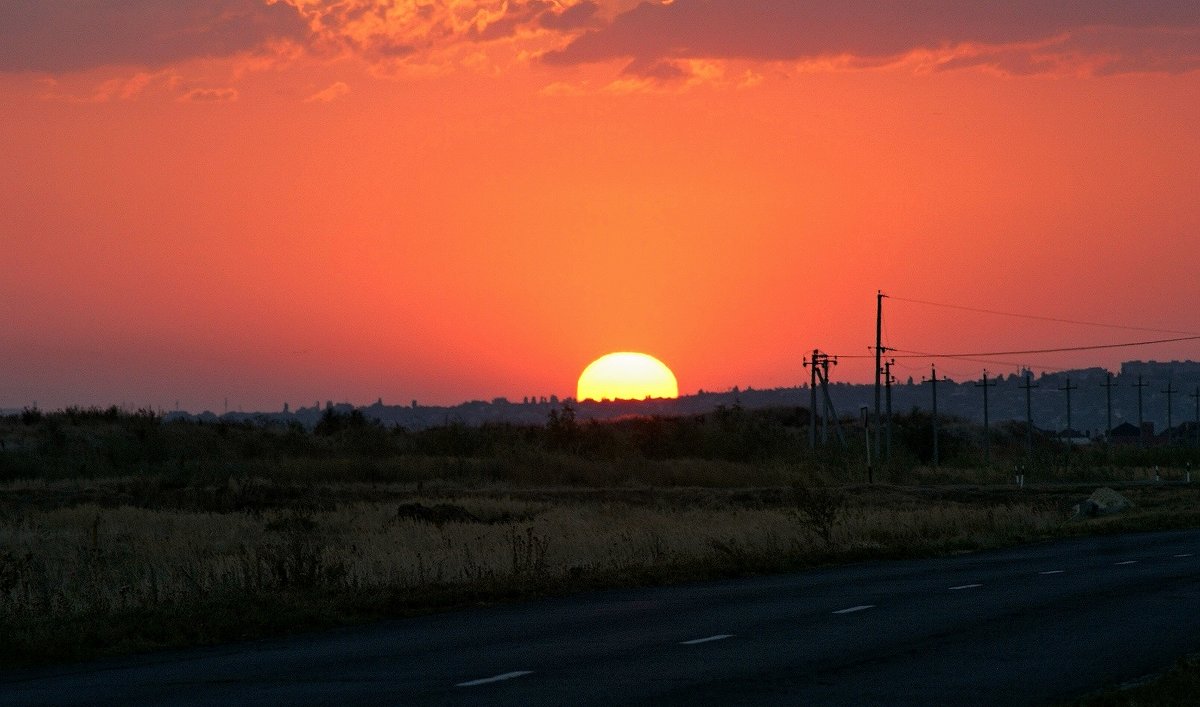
101	567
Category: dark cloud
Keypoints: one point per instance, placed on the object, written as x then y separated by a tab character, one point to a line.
72	35
661	70
517	14
874	31
541	12
574	17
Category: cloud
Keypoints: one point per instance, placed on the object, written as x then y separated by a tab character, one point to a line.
579	16
563	88
413	31
1033	35
59	36
121	88
210	95
661	69
329	94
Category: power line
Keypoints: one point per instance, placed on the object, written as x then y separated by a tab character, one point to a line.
1059	320
926	354
989	361
919	354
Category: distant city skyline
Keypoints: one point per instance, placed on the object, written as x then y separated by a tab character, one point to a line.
957	398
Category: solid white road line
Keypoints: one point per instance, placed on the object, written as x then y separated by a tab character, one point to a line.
1186	554
965	586
1126	562
706	639
1051	572
495	678
853	609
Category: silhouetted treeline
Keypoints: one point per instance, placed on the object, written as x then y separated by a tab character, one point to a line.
83	443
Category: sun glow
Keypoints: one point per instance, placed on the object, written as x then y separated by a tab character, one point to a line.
626	375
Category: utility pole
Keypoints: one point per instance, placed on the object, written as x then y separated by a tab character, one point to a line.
878	354
1029	385
887	381
933	383
811	364
1141	419
1170	393
1067	389
820	376
830	412
1108	386
987	433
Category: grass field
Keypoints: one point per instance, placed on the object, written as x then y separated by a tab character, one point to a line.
120	534
120	565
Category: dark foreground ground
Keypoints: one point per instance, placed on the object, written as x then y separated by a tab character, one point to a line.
1023	625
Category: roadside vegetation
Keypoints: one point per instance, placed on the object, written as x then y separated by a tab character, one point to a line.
1177	687
122	533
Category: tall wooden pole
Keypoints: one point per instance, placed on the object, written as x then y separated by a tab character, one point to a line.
1028	386
987	430
878	356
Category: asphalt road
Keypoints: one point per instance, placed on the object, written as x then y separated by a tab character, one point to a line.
1025	625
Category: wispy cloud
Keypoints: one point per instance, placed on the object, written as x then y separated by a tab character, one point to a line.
1016	35
118	88
210	95
658	41
329	94
59	37
415	30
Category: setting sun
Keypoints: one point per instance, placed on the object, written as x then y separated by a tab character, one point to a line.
627	376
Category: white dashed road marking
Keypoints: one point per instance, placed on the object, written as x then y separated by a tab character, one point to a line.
495	678
1186	554
965	586
1126	562
853	609
706	639
1051	572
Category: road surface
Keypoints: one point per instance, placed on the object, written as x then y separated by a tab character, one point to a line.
1024	625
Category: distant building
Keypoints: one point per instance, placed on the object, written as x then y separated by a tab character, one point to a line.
1124	433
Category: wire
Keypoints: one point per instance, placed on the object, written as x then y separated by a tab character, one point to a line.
1059	320
925	354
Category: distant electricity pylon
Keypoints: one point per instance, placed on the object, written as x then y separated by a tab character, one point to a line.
819	370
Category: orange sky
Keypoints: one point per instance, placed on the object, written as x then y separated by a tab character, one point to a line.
301	201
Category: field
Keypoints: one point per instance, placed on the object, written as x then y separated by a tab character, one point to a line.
119	533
